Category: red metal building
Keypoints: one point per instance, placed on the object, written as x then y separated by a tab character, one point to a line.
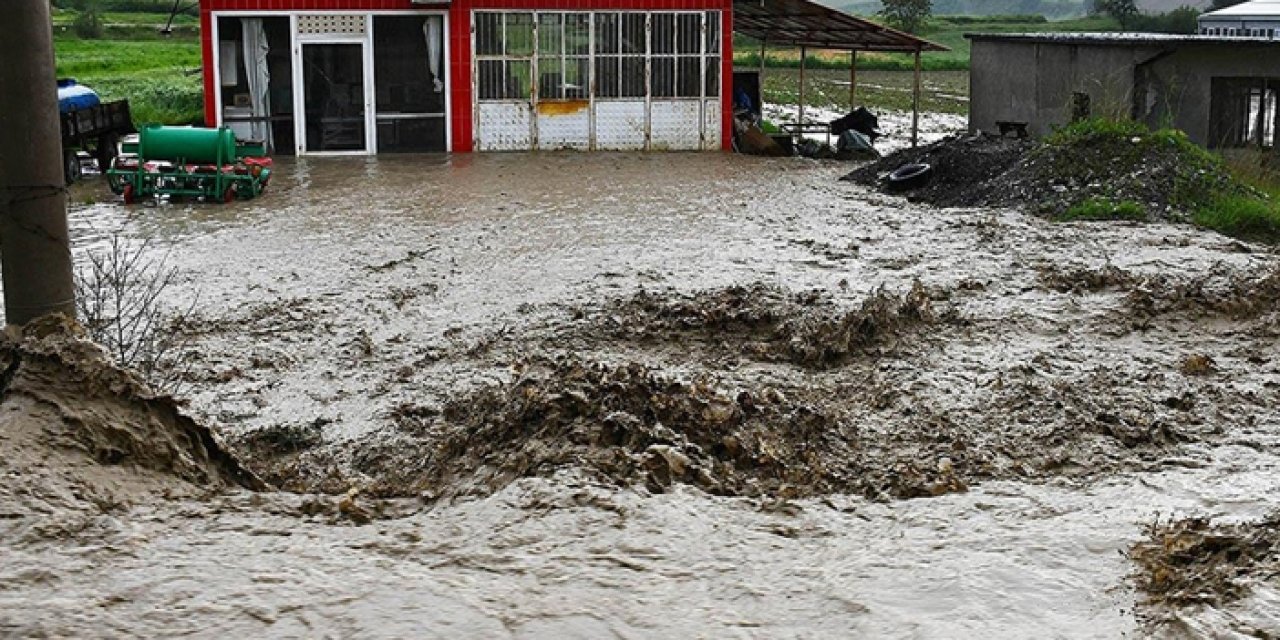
373	76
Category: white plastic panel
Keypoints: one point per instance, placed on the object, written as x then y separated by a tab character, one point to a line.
564	125
332	25
712	126
620	125
675	125
504	126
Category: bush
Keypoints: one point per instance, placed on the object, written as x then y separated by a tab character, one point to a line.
1181	21
88	23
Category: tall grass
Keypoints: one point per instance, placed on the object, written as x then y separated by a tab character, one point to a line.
1253	214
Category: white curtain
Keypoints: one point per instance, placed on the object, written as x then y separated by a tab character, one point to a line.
258	76
433	29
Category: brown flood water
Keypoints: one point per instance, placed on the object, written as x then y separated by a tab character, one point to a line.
356	287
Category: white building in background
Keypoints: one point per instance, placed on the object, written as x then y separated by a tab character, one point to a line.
1254	19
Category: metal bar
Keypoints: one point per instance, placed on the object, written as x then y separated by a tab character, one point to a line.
35	250
853	80
800	117
915	105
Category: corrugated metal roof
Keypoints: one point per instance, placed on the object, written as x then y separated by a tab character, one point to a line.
1120	38
1260	9
801	23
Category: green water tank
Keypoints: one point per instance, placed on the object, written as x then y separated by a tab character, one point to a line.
191	144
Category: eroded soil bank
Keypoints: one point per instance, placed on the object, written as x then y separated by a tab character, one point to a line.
596	396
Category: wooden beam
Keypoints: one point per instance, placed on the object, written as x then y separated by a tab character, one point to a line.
800	117
915	106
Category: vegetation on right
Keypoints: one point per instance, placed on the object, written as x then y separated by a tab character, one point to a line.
1101	169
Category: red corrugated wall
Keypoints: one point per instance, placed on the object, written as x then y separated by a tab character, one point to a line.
460	41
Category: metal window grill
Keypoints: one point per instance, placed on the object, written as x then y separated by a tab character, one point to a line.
604	55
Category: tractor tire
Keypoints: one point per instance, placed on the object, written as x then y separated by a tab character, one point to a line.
910	176
71	165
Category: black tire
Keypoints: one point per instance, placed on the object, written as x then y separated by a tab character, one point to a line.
107	150
910	176
71	165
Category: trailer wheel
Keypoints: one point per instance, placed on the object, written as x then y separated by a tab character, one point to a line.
129	196
71	165
107	150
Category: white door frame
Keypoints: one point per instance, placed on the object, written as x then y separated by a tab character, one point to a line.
300	95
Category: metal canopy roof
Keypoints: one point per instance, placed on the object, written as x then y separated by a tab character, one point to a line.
801	23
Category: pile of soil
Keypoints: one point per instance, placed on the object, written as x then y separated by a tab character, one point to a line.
1161	172
1196	561
966	169
80	434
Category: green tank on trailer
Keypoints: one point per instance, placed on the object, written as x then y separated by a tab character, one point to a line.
189	162
186	144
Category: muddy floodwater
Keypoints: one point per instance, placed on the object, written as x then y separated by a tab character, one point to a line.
826	412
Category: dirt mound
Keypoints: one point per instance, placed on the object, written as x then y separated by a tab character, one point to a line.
77	432
1093	168
769	324
964	170
1195	561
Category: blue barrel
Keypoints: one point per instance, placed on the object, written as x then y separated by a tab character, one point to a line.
73	96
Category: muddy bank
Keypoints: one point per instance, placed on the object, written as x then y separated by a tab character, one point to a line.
78	435
1110	169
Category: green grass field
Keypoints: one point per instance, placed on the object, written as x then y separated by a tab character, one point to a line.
160	78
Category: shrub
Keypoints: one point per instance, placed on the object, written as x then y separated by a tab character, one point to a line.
88	23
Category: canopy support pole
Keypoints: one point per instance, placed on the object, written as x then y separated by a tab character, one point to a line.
853	79
800	118
915	105
762	54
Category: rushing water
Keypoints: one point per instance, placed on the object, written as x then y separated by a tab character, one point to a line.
416	254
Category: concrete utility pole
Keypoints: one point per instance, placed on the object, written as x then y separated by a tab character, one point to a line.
35	252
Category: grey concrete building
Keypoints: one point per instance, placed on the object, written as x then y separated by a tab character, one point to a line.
1222	91
1255	19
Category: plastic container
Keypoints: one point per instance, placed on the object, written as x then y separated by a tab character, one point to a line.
187	144
73	96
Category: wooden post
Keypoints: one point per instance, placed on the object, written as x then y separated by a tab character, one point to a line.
915	105
853	79
762	55
800	117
